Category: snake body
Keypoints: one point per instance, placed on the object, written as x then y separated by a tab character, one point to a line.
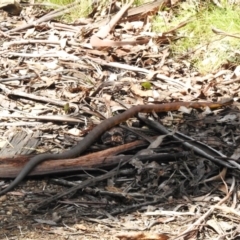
105	125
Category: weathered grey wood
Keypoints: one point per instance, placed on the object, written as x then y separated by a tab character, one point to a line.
20	143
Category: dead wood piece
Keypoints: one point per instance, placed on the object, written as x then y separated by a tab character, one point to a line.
21	143
10	167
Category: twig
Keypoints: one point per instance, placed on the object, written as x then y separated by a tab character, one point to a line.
86	183
174	82
192	144
222	33
37	98
47	17
229	193
197	223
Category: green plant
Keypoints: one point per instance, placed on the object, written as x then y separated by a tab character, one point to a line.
206	50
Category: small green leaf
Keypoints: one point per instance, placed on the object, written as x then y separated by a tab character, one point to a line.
66	108
146	85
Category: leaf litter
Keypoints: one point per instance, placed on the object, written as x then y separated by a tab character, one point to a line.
58	80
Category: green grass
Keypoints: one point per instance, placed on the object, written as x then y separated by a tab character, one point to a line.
206	50
82	9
